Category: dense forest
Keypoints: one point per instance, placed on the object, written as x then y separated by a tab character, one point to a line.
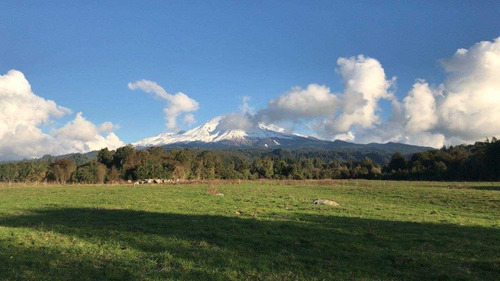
480	161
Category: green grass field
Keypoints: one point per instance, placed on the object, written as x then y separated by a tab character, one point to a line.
257	231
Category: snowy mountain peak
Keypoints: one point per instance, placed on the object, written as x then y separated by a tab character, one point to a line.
222	129
237	130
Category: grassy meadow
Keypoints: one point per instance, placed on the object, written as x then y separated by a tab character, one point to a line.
266	230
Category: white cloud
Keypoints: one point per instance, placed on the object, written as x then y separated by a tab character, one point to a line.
245	106
79	129
19	106
149	87
349	136
176	104
237	121
333	116
82	135
274	127
427	139
24	114
301	104
366	84
108	127
420	108
179	103
470	108
189	119
464	108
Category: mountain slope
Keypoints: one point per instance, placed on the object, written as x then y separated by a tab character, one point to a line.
215	134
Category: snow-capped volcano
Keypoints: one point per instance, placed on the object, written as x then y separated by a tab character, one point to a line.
237	131
217	131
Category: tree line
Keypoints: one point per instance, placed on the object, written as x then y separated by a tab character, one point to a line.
480	161
477	162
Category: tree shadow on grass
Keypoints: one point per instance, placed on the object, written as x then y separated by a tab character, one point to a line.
492	186
486	187
132	245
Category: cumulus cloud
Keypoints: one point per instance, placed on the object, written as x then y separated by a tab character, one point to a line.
464	108
237	121
330	115
24	114
299	104
366	84
19	106
470	108
82	135
420	107
108	127
429	139
176	104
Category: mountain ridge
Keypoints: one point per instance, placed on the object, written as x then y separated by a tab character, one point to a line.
215	134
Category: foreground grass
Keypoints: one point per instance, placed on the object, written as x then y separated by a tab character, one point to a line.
257	231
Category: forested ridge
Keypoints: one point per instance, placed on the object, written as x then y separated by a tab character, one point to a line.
480	161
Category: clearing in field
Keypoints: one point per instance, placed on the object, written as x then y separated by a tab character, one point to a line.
255	231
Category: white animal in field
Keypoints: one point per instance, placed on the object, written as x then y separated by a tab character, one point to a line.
325	202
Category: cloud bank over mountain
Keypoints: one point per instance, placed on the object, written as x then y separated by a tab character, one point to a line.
463	108
23	115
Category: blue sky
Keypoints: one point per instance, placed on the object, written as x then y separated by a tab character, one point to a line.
82	54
